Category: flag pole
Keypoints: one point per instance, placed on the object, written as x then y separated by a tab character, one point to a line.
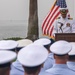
53	5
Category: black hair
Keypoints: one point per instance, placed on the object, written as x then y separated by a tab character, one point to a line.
31	70
5	65
71	57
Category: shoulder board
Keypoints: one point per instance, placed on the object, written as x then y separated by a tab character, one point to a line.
58	18
70	18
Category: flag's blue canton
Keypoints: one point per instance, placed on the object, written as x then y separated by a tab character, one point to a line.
61	3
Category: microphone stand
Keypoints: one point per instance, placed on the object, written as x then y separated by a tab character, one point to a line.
61	26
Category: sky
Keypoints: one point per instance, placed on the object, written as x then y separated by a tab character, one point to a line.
18	10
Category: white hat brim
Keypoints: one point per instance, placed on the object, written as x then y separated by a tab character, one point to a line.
32	55
7	56
61	47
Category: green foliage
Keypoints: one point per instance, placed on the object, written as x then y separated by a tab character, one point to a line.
14	38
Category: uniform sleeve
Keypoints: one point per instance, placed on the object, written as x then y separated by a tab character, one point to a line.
55	28
73	27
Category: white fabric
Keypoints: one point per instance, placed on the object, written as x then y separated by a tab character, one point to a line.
32	55
24	42
61	47
63	8
8	44
67	27
42	41
72	52
7	56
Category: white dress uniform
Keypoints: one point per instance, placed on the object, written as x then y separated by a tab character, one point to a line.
66	25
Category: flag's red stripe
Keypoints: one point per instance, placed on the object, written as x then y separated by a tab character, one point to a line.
51	17
47	25
53	20
46	19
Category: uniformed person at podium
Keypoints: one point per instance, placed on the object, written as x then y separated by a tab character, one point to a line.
64	24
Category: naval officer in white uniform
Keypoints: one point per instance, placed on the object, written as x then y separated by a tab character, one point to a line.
64	24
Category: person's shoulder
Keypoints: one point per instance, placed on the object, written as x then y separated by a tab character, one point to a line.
58	17
70	18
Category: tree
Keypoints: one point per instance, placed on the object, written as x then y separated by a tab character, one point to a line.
33	30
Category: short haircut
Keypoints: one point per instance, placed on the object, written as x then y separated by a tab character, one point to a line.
4	69
47	46
31	70
71	57
5	65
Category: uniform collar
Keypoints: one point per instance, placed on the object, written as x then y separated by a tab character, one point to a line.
50	54
71	65
71	62
64	18
60	65
17	65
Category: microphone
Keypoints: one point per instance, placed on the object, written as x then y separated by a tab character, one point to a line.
61	26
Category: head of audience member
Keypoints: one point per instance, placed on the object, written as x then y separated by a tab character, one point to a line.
8	45
34	37
23	43
32	58
44	42
72	52
63	12
6	58
52	41
61	49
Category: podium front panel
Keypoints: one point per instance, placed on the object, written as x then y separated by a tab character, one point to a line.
70	37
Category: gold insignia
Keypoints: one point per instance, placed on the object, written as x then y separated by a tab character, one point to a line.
58	18
70	18
68	24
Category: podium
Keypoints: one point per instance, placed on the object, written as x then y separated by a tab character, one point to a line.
70	37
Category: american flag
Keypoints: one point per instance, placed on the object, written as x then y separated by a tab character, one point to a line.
47	26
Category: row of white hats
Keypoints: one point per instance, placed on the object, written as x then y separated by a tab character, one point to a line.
11	44
60	47
6	46
29	53
36	52
6	55
26	55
